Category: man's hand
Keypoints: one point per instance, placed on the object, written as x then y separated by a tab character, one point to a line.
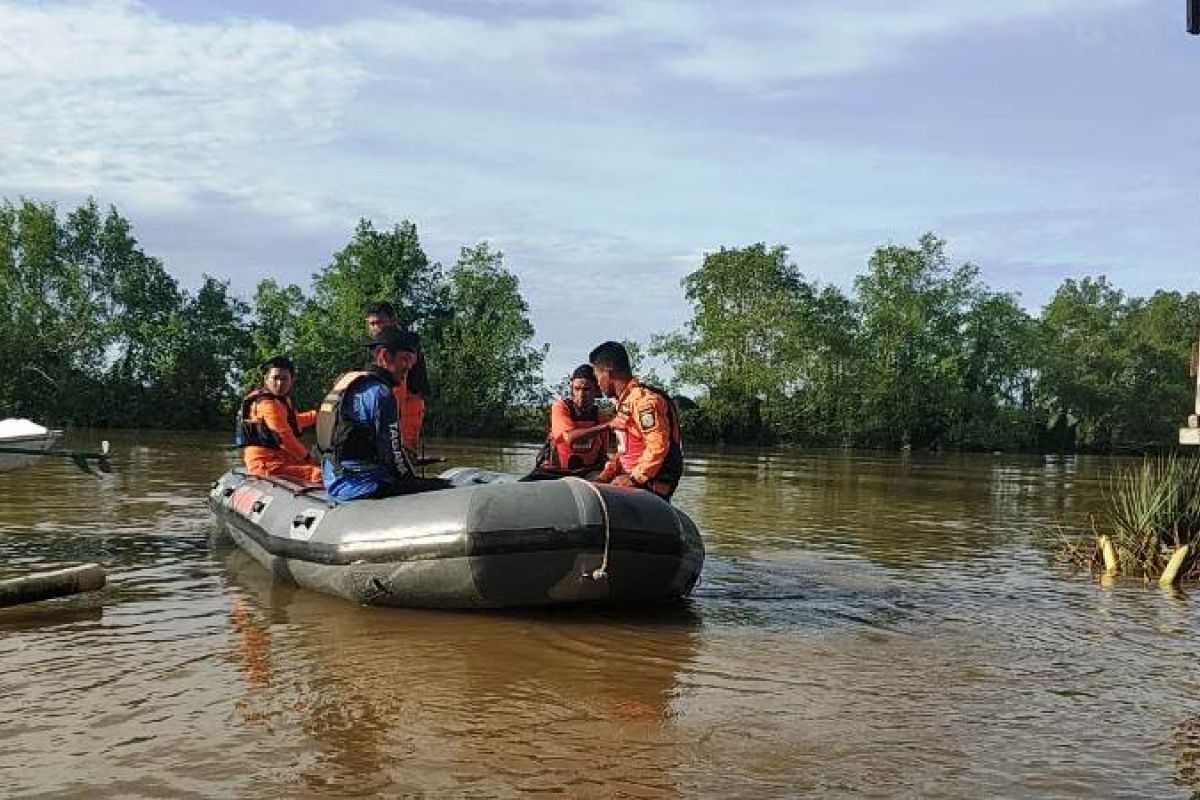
624	480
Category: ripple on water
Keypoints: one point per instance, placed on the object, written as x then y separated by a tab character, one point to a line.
866	625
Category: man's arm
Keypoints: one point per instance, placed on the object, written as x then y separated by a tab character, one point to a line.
611	470
560	420
275	416
306	419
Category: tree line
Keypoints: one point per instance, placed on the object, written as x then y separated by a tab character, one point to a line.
921	353
95	332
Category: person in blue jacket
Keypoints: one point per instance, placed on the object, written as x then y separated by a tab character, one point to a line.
358	426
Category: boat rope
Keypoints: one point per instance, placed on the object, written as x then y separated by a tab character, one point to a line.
601	573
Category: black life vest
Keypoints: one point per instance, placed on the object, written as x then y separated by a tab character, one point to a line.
580	455
592	415
250	432
340	439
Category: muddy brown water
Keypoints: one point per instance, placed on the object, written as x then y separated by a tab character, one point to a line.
866	625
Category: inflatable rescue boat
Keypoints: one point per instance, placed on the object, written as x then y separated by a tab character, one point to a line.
489	541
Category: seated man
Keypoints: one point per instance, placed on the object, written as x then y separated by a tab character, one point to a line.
358	426
649	447
578	440
268	427
412	392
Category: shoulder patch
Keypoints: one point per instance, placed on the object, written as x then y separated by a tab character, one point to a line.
647	419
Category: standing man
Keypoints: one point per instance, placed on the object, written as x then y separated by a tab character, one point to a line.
358	425
269	427
578	439
649	446
412	393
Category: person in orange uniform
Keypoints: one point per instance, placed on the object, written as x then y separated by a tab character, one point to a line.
269	427
649	446
573	445
412	392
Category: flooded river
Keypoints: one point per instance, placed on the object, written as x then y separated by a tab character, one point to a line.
866	625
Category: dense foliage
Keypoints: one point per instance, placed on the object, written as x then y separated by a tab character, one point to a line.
95	332
921	353
924	355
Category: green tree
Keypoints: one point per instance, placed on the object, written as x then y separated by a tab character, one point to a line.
824	344
1082	337
486	371
374	265
1156	392
277	314
996	403
914	307
144	303
735	347
210	349
30	316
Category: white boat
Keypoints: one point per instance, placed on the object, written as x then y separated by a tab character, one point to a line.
23	434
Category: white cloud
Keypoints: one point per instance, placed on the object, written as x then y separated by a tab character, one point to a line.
111	93
752	45
763	44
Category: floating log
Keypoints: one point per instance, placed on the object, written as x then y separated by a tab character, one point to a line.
1171	574
54	583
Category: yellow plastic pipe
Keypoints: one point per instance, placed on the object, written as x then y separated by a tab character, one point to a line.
1171	574
1110	556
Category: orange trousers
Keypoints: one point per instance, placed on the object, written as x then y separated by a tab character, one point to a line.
289	470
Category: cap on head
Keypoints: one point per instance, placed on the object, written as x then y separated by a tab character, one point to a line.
393	339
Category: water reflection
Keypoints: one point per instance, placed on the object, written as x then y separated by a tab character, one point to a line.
401	702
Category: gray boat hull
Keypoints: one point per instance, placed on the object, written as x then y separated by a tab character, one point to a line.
486	543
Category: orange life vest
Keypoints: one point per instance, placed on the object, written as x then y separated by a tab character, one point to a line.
631	442
584	453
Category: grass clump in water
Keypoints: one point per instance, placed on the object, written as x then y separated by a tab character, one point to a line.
1151	510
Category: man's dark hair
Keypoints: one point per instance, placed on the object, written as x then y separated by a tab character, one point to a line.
584	371
382	308
612	356
278	362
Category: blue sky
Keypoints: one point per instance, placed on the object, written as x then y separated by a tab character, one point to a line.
605	146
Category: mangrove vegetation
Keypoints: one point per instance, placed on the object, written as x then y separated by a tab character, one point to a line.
919	352
1149	527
